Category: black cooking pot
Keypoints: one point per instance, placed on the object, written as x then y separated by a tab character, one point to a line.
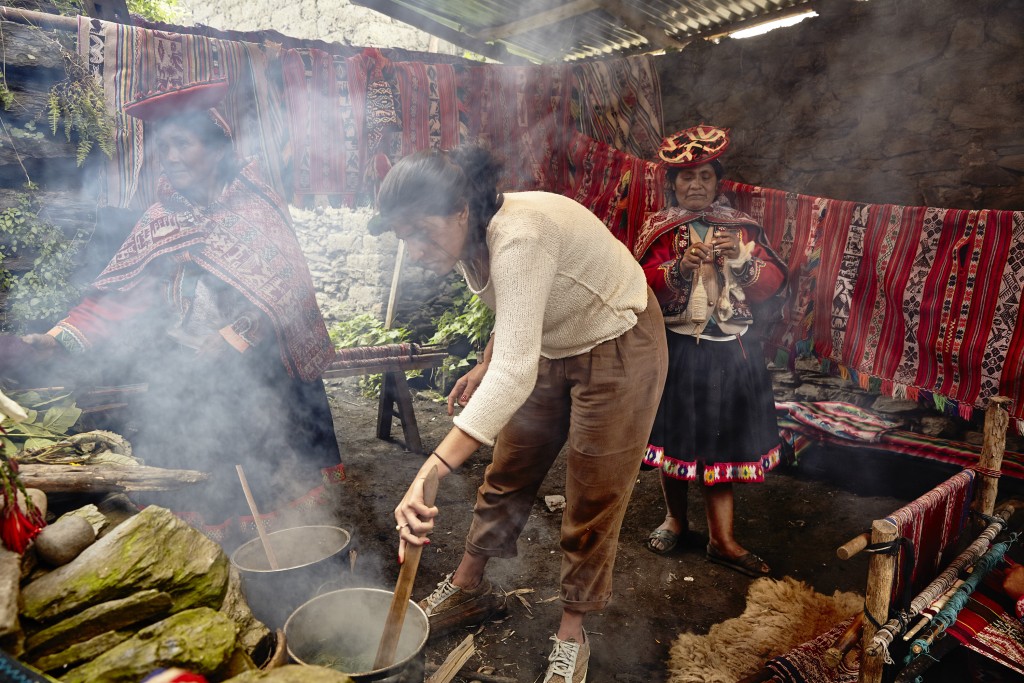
308	557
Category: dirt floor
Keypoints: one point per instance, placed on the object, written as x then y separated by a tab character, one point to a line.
796	520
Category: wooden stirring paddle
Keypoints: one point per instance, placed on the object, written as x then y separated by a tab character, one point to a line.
403	589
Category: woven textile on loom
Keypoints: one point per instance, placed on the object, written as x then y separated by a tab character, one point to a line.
802	423
914	302
361	355
130	61
618	102
805	663
987	624
932	524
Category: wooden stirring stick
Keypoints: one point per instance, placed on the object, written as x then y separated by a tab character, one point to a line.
403	589
256	518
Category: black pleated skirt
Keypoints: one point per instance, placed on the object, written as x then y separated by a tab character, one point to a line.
716	422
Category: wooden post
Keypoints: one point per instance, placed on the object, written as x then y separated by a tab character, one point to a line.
389	317
881	573
394	392
853	546
991	461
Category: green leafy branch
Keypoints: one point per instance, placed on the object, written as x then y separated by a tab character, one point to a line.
50	418
469	321
168	11
44	290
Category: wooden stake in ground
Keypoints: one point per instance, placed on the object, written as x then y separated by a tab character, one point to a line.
271	558
403	589
991	460
881	571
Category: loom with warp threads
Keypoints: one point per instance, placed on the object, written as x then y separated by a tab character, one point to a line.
392	360
387	358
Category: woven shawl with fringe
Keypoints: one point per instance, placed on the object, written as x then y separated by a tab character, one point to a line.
804	423
245	239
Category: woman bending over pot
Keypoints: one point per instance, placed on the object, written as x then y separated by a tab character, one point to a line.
577	357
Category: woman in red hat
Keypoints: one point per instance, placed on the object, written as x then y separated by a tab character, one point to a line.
210	301
715	277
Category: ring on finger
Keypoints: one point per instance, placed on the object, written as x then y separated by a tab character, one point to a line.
401	526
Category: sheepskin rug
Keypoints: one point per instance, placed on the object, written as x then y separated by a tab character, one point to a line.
779	615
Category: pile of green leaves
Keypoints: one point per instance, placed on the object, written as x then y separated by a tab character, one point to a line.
168	11
44	291
366	330
50	418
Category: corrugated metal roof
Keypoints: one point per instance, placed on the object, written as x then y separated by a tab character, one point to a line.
569	30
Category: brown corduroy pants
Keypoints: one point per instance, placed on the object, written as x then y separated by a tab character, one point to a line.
601	405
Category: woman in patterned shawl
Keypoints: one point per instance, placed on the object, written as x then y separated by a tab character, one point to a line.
713	273
210	302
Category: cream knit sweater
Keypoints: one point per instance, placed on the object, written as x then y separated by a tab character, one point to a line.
560	284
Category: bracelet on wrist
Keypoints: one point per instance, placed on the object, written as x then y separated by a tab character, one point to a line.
443	461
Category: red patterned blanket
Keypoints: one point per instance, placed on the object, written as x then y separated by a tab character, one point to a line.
913	302
522	114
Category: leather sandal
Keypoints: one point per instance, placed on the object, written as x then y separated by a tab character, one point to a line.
662	541
749	564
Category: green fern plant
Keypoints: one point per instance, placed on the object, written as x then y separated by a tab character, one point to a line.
78	102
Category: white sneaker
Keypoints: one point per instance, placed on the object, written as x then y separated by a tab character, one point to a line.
569	661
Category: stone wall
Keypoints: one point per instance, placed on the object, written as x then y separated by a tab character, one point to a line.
914	102
352	270
337	21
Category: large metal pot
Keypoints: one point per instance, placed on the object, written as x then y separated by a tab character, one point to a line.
308	557
342	630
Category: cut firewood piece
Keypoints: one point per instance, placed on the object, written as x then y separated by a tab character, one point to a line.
105	478
454	661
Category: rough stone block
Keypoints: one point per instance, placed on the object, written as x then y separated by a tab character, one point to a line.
198	640
154	549
10	576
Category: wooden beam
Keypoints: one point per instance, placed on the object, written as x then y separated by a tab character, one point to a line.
537	20
638	22
105	478
41	19
424	23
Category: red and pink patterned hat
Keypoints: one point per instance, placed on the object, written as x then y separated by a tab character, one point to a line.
157	105
694	146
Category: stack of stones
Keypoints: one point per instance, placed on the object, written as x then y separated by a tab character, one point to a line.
102	597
